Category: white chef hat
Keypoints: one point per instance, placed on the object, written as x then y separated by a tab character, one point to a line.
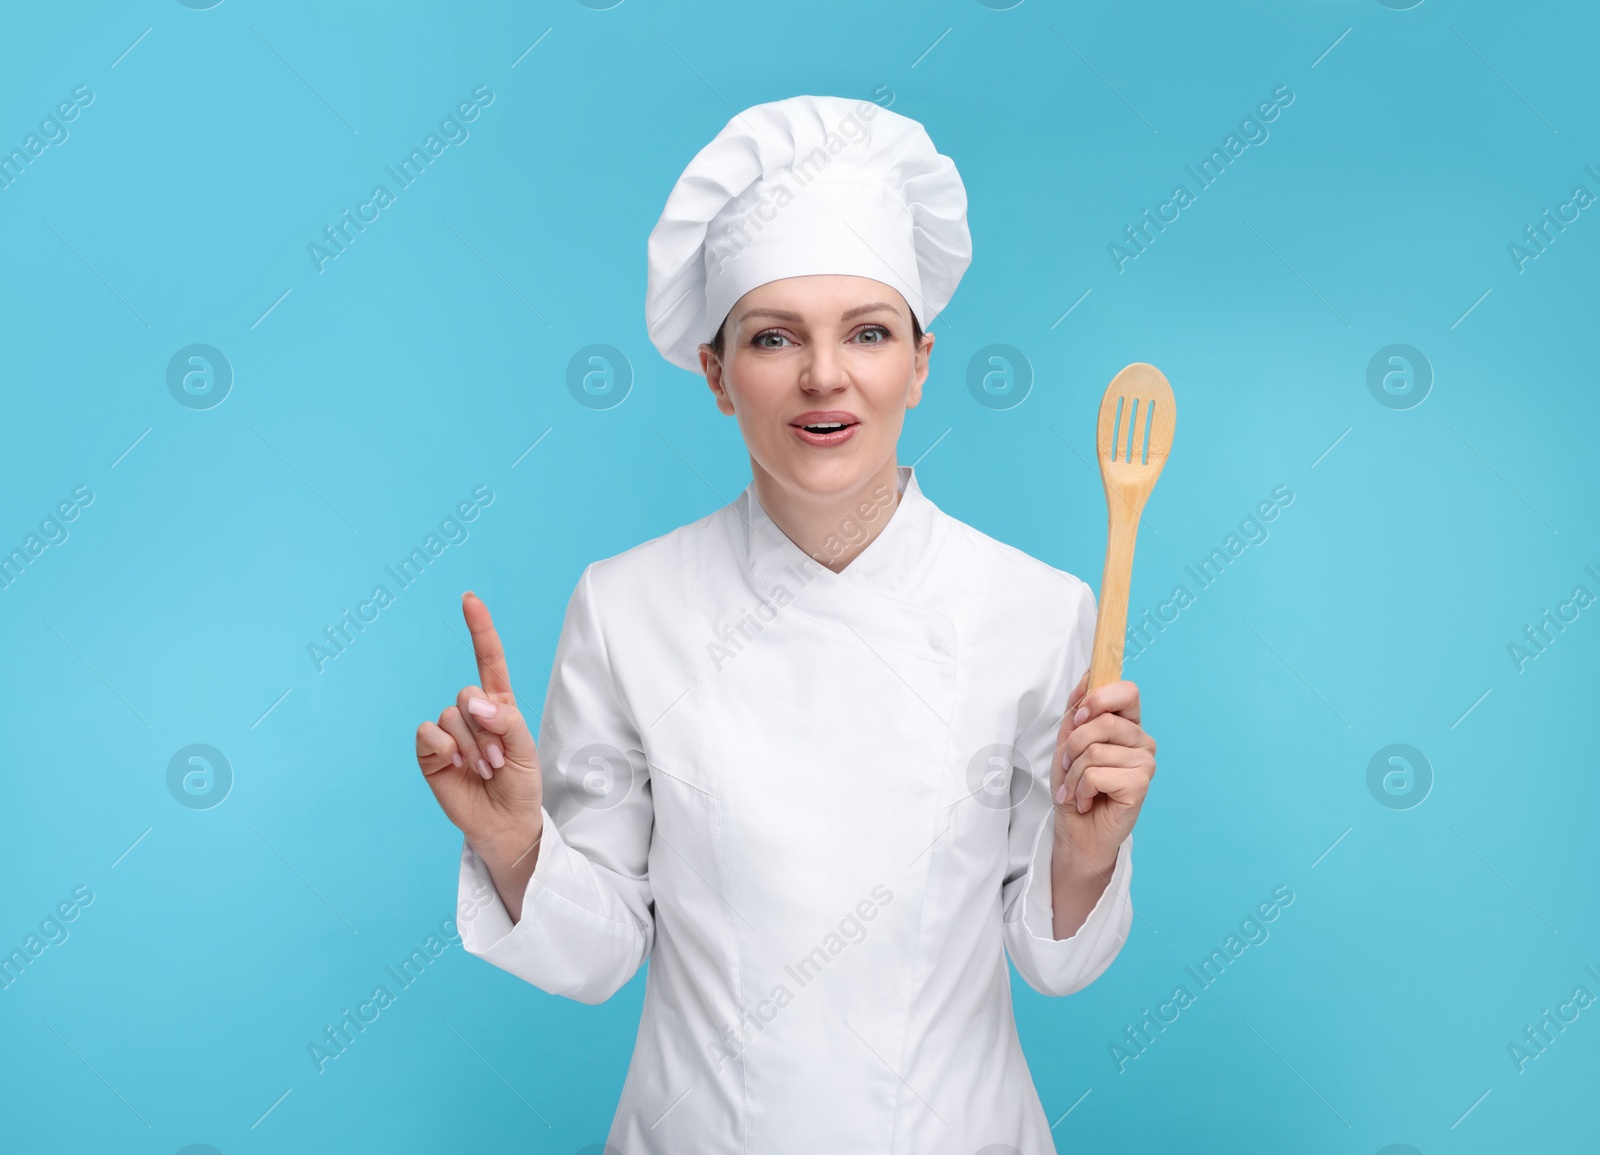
807	185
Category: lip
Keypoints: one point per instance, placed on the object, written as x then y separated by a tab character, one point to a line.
818	416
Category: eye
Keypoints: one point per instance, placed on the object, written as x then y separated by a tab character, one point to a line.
877	331
760	339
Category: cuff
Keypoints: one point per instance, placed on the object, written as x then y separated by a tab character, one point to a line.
481	915
1112	911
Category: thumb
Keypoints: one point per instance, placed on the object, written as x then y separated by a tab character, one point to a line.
502	719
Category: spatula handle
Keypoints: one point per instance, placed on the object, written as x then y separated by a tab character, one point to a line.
1111	620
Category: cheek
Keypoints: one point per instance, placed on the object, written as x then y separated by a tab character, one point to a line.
762	393
886	388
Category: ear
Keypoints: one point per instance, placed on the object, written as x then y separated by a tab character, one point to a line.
711	366
919	371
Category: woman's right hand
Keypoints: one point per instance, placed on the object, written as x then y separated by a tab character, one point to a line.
481	762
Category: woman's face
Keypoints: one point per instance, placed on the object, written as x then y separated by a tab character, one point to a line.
828	351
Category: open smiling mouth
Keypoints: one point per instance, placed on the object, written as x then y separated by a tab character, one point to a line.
824	426
825	429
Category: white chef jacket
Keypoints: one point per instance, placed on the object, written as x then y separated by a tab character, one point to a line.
788	789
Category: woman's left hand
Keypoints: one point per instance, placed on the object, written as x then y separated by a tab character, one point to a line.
1103	767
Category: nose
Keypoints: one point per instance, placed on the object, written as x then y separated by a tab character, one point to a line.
823	371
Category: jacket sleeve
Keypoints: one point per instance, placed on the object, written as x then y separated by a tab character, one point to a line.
1048	965
588	920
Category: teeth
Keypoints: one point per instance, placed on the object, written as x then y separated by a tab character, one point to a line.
826	427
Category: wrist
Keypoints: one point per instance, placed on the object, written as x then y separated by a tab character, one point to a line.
1071	861
510	846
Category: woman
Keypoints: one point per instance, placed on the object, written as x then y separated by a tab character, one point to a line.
801	754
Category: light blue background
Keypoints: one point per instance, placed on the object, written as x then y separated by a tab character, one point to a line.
430	356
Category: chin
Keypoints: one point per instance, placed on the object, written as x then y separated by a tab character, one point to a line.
831	477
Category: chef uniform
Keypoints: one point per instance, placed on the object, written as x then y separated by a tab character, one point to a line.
817	802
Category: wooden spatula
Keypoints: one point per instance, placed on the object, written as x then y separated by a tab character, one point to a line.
1137	416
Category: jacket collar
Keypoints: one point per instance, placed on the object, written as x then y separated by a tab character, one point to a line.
891	557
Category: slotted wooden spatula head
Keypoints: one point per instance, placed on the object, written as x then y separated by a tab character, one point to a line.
1137	417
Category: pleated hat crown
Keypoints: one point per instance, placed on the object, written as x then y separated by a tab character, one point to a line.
798	187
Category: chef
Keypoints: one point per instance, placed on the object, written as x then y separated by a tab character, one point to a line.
824	757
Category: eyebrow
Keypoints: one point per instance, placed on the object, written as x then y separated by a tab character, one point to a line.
796	318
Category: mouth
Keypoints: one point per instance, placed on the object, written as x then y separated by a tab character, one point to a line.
824	429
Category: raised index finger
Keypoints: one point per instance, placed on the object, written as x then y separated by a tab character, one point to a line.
493	675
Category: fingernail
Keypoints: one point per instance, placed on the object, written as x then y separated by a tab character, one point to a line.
496	758
482	707
469	594
456	758
483	768
1061	793
1083	712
